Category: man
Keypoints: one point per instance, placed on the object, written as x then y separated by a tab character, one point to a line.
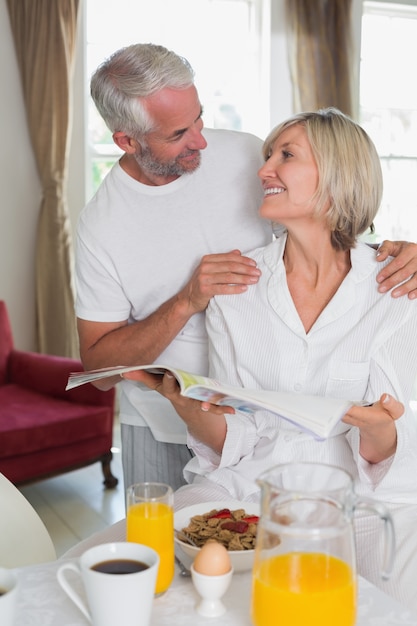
164	233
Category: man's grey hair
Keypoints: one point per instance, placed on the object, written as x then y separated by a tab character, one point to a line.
122	82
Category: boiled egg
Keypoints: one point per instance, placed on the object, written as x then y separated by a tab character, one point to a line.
212	560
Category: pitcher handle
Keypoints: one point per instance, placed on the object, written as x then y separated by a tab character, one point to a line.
389	532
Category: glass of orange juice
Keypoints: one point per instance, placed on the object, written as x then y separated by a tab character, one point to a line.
150	521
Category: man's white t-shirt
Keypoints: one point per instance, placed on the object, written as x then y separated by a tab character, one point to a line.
138	245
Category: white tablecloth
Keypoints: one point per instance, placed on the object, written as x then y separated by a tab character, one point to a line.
43	603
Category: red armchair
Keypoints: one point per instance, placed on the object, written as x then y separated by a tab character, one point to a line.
45	430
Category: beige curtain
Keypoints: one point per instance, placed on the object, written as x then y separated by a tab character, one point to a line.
321	54
44	33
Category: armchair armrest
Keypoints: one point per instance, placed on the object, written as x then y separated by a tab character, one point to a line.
48	374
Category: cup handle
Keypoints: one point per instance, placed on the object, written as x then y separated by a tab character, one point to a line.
69	590
389	532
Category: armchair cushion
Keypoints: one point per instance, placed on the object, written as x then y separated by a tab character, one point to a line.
50	423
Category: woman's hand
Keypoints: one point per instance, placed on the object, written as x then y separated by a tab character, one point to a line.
376	423
204	421
403	267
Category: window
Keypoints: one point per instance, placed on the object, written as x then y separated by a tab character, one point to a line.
388	110
221	40
239	58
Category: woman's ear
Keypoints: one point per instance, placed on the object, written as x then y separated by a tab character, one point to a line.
125	143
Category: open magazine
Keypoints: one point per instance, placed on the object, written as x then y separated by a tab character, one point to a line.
316	414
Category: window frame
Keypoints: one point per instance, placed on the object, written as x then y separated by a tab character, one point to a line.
396	212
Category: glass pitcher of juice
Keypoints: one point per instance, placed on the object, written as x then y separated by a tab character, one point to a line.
305	565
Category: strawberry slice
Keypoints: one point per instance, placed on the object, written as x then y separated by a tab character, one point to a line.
252	519
236	527
222	514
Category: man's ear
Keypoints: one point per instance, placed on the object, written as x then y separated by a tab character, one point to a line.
125	143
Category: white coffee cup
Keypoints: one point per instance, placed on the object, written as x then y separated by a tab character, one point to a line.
8	597
114	598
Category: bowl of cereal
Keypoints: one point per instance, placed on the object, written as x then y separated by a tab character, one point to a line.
232	523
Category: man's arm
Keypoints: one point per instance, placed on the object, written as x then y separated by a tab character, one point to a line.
402	268
105	344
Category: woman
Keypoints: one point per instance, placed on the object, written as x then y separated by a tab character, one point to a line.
314	324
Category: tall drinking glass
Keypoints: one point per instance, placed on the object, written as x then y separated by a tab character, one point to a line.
150	521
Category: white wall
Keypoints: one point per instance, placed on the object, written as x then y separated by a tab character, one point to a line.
20	196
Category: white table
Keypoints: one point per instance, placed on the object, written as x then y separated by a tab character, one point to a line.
43	603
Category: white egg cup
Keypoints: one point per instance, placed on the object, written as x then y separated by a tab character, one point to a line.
211	589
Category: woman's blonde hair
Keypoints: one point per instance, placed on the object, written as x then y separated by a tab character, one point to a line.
349	170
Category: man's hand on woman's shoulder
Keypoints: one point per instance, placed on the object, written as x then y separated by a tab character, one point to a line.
402	268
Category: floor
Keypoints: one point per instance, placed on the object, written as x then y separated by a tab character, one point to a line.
75	505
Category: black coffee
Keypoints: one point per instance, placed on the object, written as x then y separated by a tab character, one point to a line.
120	566
3	591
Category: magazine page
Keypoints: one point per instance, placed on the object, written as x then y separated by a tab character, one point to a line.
316	414
80	378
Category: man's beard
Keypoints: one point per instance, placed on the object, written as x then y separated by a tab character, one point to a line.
149	164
